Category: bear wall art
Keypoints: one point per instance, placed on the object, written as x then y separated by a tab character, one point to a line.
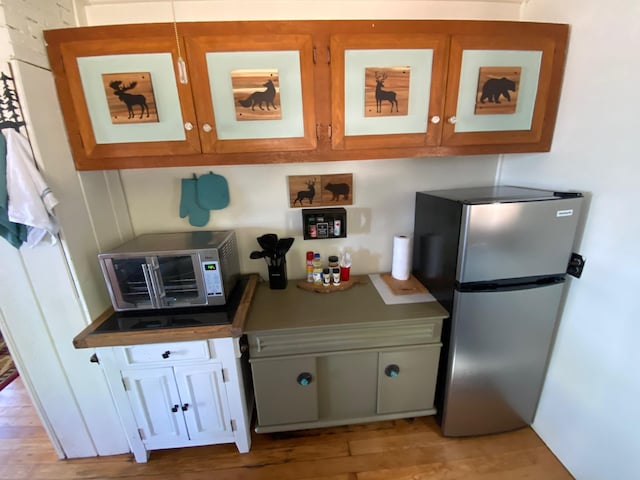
497	92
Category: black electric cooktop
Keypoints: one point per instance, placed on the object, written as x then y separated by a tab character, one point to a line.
175	317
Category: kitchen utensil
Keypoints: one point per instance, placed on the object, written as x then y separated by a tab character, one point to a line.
282	246
255	255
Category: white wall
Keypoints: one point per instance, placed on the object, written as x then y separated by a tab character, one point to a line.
588	414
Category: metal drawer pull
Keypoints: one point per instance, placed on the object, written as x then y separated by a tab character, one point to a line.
166	354
174	409
392	370
185	407
304	379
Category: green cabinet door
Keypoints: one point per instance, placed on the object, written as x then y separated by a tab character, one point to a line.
286	390
407	378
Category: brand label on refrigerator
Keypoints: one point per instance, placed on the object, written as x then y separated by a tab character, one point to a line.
564	213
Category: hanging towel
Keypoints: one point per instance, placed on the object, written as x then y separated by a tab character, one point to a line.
31	201
14	233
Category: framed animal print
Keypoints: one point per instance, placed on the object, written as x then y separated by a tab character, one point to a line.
320	190
497	90
130	97
377	81
257	94
146	83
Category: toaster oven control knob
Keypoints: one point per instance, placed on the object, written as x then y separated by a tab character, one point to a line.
392	371
304	379
166	354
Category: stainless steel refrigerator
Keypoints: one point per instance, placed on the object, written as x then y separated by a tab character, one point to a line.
496	259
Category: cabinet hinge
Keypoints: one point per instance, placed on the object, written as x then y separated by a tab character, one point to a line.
224	375
330	131
141	433
124	384
233	425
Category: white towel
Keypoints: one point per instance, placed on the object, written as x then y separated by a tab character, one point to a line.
31	201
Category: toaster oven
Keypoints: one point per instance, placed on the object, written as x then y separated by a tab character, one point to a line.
171	270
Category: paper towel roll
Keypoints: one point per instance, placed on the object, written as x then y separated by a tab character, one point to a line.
401	261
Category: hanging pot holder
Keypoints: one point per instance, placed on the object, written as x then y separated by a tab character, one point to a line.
213	191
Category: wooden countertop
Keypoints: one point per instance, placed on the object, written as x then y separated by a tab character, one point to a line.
295	307
88	338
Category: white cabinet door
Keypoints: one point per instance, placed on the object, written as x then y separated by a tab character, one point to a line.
204	403
157	406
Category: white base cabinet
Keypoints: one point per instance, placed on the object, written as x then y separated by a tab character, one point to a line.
181	394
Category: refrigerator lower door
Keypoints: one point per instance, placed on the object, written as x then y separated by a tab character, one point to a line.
500	344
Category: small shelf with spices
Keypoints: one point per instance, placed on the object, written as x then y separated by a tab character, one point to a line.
324	223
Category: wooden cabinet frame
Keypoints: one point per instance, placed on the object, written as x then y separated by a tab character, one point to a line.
322	72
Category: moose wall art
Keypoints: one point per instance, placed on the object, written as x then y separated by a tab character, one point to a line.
386	91
130	97
320	190
256	94
497	91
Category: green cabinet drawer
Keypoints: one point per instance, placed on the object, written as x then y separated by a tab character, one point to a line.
286	390
407	379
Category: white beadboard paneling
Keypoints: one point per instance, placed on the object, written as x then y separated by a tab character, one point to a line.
49	271
35	354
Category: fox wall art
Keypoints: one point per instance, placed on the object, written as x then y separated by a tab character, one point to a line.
256	94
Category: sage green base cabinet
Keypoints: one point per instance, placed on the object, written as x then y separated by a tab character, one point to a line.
321	360
180	394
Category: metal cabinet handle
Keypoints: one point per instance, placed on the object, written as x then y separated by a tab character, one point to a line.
392	371
166	354
304	379
185	407
174	409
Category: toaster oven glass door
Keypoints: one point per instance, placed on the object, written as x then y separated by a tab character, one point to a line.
158	282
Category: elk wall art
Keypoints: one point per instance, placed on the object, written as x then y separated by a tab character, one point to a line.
130	97
386	91
320	190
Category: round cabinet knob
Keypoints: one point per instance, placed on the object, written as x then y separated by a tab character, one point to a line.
392	371
452	120
166	354
185	407
435	119
174	409
207	128
304	379
188	126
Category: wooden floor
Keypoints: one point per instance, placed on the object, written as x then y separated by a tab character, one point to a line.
393	450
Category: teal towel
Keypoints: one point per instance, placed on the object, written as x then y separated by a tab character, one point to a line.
14	233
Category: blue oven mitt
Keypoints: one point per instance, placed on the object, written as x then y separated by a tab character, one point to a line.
198	216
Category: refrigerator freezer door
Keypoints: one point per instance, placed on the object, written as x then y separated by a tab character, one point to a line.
516	240
500	343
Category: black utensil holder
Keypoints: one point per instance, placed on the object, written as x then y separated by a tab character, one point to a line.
278	276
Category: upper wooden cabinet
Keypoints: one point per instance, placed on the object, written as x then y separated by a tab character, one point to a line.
295	91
